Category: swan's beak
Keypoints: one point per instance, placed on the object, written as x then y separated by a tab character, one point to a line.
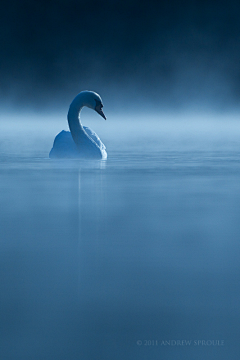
100	112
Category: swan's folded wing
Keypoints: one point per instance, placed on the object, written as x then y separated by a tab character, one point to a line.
94	137
63	146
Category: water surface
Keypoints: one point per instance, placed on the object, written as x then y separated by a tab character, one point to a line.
120	259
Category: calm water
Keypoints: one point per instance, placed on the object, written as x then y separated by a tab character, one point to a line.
120	259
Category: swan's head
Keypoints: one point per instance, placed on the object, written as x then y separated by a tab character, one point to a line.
93	101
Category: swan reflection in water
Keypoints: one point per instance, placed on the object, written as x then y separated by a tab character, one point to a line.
81	142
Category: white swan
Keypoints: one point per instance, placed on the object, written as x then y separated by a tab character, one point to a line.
80	142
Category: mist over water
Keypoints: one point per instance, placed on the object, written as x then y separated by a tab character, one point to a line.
116	258
33	133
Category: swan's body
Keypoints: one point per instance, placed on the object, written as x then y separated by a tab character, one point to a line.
80	142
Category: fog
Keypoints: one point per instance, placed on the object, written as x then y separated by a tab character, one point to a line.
33	133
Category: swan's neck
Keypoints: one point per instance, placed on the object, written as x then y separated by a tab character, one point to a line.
74	122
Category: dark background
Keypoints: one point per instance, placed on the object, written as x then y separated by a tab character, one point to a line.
155	54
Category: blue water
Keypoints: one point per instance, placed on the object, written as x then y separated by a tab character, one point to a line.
120	259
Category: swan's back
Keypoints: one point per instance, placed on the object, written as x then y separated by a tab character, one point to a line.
65	147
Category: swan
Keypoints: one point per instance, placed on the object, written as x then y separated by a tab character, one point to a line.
80	142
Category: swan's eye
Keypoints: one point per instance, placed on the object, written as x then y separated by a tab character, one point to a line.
98	104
